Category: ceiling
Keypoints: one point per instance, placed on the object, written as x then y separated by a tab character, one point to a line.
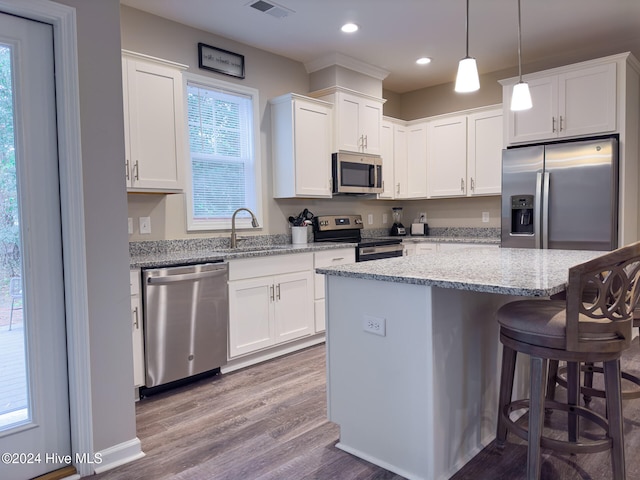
394	33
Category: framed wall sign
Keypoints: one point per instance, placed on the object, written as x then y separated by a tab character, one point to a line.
221	61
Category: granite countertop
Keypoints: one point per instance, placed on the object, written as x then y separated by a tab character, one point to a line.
511	271
446	239
173	257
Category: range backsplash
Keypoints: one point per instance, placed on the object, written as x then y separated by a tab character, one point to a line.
151	247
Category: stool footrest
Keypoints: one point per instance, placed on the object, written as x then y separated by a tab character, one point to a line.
596	392
559	445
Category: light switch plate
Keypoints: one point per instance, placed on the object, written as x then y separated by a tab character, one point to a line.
485	217
130	225
145	225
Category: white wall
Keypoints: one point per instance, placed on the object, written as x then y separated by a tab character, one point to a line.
105	206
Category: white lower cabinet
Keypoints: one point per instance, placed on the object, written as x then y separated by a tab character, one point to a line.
137	332
270	301
443	247
422	248
327	258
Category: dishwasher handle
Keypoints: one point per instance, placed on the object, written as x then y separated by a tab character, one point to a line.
184	277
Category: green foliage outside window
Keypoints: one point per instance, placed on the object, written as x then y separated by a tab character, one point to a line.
9	226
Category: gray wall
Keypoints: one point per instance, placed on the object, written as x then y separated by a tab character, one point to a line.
272	75
100	78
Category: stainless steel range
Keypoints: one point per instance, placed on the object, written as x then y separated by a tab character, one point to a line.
348	228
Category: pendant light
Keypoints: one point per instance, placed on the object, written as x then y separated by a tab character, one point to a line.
520	97
467	78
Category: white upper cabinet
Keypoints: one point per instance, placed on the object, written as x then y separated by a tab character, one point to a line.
400	162
570	101
386	152
447	158
484	152
301	146
465	154
154	123
417	160
357	121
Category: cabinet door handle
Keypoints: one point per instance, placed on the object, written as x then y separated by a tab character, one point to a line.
278	291
127	169
398	188
136	321
553	124
271	294
337	259
473	185
560	122
135	169
366	142
462	185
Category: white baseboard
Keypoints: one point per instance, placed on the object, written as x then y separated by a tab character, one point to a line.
120	454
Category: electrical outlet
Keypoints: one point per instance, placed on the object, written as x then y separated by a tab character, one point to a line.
370	219
485	217
145	225
385	218
374	325
130	225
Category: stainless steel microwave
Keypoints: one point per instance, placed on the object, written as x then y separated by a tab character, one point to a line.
356	173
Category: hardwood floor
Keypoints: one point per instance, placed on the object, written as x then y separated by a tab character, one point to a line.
265	422
269	422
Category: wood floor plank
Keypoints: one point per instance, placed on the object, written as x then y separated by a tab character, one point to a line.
268	422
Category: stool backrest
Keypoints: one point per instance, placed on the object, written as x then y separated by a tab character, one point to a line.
601	297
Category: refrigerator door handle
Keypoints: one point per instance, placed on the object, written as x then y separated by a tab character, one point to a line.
545	211
537	211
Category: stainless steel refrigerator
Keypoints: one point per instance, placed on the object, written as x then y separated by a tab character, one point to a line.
561	195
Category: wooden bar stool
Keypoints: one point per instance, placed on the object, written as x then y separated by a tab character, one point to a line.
557	375
576	332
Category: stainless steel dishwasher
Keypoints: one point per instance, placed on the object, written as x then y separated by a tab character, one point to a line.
186	312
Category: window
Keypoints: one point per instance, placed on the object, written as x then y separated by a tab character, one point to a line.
224	167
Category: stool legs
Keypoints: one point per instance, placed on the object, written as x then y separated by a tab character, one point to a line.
588	381
506	387
614	415
551	380
573	395
539	370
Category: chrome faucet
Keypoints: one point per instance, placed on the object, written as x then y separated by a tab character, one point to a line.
254	224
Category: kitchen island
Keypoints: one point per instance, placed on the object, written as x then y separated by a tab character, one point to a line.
413	351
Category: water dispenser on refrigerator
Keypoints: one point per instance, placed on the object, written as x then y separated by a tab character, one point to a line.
522	215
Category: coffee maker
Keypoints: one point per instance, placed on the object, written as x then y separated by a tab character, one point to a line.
397	229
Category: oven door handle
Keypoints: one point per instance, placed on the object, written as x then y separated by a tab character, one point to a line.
381	249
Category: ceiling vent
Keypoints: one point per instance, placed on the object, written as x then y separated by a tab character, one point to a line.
271	8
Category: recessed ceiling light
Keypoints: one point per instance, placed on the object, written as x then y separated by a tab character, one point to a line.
349	28
423	61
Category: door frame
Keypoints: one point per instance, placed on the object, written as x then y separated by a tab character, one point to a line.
63	20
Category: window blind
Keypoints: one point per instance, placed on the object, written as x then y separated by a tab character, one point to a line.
220	133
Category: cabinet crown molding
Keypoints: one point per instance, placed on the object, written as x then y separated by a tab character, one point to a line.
149	58
622	57
337	88
347	62
287	97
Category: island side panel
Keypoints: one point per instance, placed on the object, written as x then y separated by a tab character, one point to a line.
422	400
466	368
380	388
